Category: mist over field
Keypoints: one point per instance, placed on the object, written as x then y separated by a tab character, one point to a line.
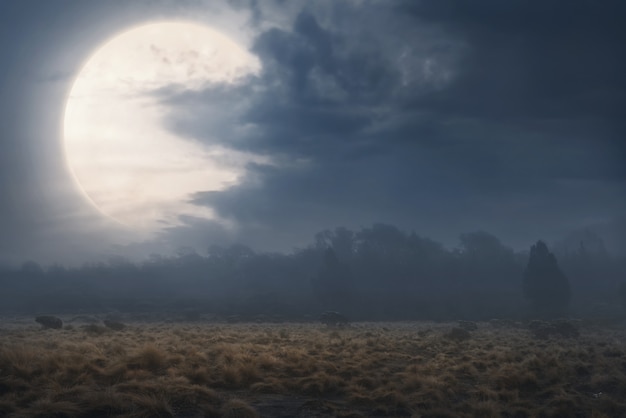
376	273
330	208
376	322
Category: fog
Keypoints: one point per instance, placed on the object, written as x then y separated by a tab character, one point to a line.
407	208
449	118
377	273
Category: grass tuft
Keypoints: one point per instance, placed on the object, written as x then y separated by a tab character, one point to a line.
163	370
236	408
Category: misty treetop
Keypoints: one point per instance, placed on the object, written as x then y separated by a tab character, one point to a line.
377	272
545	285
333	283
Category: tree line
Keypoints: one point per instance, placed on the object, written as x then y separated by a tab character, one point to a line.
376	273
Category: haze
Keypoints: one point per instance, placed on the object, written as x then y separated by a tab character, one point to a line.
312	208
446	120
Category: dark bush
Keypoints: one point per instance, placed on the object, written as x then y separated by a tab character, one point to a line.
48	321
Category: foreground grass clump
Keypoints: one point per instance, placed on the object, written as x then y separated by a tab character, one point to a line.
402	369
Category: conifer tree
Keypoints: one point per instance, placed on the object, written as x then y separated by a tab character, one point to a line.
545	285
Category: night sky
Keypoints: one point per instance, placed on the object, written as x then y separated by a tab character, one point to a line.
438	116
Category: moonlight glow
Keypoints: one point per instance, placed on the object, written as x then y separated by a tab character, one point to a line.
126	161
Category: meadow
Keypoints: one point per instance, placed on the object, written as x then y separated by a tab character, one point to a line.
401	369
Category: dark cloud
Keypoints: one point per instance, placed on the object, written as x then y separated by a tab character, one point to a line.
442	116
310	94
545	76
553	59
505	113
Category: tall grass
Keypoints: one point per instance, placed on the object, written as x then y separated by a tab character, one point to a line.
403	369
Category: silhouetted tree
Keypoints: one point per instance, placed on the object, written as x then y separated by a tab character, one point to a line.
31	268
544	283
592	271
487	261
341	240
487	277
332	284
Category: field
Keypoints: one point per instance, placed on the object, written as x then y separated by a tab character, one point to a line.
412	369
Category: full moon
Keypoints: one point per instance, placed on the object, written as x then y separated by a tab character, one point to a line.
124	159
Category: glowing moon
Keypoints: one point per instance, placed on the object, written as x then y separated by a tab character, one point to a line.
122	156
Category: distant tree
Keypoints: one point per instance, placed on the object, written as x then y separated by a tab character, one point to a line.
621	291
545	285
592	271
382	241
234	252
487	263
31	268
341	240
332	284
582	244
484	246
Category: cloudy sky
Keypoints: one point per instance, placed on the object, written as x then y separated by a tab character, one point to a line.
438	116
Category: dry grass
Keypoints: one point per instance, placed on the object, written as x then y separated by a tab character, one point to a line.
242	370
